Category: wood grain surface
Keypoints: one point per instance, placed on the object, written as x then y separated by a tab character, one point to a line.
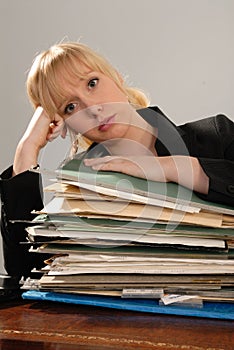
52	326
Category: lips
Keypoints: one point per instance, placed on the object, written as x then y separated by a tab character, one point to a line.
106	124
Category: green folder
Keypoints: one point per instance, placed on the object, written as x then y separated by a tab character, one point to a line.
76	171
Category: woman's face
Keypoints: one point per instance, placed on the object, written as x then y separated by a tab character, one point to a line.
96	107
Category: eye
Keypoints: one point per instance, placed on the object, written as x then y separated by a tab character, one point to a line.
70	108
92	83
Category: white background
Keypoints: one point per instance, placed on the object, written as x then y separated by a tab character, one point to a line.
181	52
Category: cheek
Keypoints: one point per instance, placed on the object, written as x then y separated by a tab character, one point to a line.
119	129
81	123
87	127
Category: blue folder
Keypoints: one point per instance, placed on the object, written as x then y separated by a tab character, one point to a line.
209	309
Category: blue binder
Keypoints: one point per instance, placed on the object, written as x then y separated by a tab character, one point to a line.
209	309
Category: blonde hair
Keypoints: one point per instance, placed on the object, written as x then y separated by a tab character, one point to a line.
44	87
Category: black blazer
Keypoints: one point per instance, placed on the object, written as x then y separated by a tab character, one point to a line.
211	140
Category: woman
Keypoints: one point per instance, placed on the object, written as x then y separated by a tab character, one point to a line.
70	86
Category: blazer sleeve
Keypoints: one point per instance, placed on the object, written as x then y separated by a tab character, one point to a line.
221	185
19	196
220	170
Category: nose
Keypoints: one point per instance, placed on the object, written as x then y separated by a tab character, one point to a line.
95	111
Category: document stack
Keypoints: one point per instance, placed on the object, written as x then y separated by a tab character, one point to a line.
123	242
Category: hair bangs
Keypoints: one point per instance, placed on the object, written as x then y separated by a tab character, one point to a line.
61	69
54	70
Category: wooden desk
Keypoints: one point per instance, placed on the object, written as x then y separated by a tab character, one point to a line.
52	326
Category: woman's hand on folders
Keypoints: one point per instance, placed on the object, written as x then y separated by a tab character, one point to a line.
184	170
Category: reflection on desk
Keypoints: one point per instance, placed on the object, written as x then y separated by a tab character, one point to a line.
54	326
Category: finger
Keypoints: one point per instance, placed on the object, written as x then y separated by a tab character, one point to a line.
119	166
64	131
60	126
98	161
55	131
106	167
